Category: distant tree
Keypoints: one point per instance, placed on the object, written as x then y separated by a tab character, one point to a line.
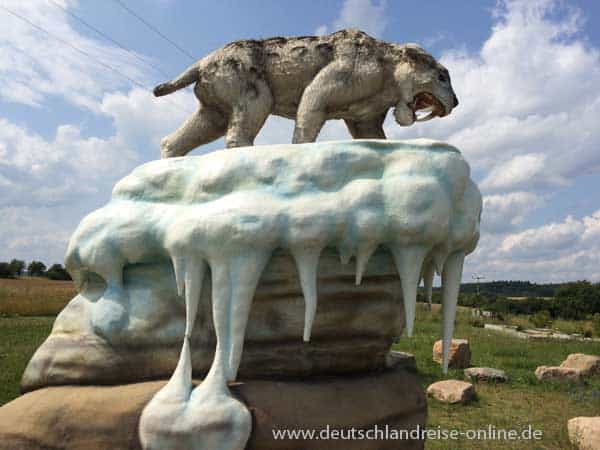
16	267
576	300
57	272
5	271
36	269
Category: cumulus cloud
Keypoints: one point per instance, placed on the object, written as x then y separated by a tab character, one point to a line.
39	233
527	170
48	182
526	122
366	15
529	90
40	172
556	251
503	212
35	67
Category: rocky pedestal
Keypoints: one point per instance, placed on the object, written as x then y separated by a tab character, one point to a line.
288	269
103	418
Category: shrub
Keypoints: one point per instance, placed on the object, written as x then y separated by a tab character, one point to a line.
541	319
57	272
5	271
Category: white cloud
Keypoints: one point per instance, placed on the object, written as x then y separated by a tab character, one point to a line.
40	172
35	233
35	67
560	251
504	212
366	15
555	252
530	90
545	240
141	120
526	122
527	170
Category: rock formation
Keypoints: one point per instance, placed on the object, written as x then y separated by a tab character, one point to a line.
197	241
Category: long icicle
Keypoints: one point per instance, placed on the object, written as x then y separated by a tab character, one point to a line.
307	261
409	261
215	381
179	270
245	270
180	384
451	277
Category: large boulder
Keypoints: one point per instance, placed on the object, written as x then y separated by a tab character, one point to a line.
589	365
107	417
459	356
344	339
584	432
451	391
279	222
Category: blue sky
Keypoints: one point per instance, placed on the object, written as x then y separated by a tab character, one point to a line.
527	74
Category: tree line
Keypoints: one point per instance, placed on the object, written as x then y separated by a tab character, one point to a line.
576	300
16	268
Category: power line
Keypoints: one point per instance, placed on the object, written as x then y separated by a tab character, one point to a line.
110	39
153	28
83	52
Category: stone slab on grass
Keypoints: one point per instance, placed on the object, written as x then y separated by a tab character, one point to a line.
459	356
589	365
451	391
584	432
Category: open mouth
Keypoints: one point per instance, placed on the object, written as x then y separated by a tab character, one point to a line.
426	106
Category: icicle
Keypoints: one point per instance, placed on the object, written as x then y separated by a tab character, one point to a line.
307	261
180	384
194	276
428	272
179	269
216	379
363	255
409	261
451	277
244	274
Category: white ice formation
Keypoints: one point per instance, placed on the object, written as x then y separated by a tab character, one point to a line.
229	210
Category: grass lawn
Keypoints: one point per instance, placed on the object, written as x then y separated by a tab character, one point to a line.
28	307
521	402
19	338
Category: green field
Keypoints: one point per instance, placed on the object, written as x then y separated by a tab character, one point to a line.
19	338
521	402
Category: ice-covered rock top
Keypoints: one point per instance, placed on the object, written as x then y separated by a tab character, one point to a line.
229	210
415	197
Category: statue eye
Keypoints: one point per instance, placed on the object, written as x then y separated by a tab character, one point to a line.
442	77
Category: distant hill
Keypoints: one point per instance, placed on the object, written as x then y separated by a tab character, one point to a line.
512	288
